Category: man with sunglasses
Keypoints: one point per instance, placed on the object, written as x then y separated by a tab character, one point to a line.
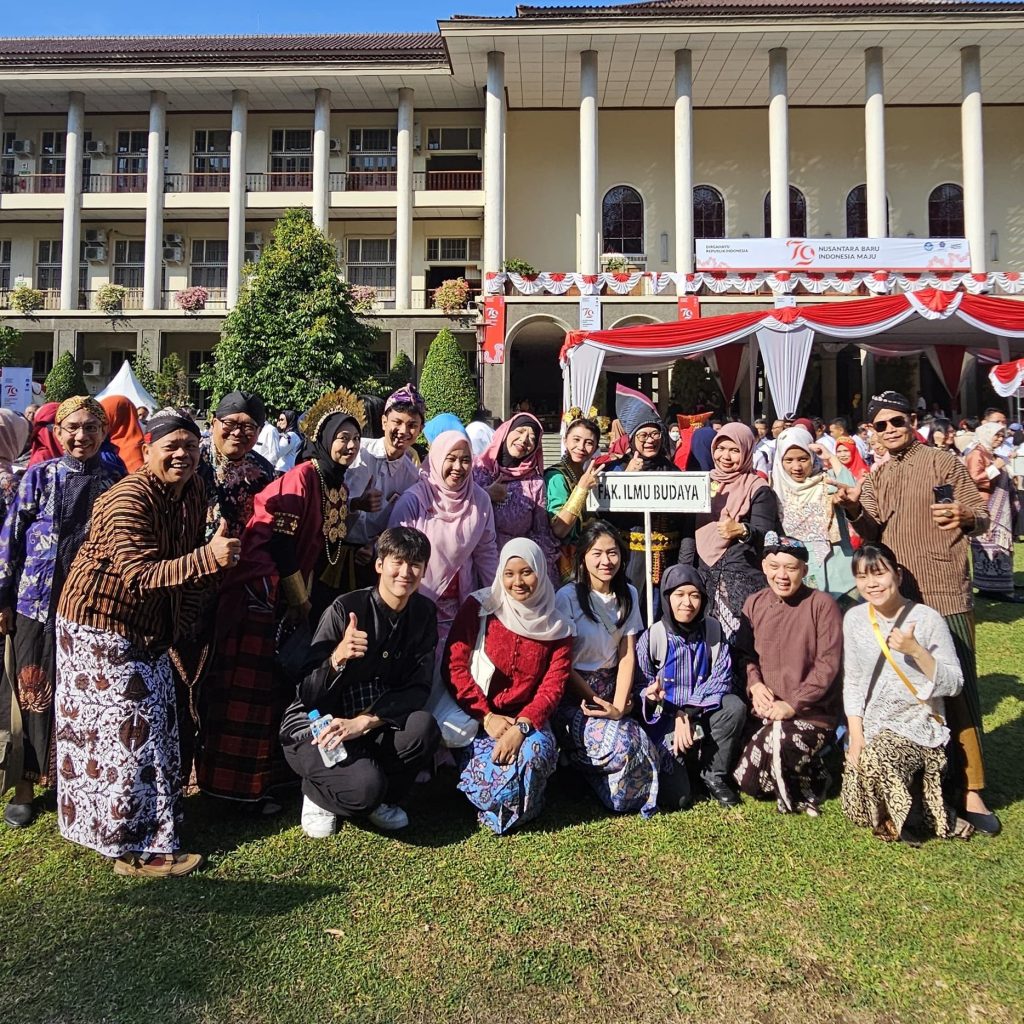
923	504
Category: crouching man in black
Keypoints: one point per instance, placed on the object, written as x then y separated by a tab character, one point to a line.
370	667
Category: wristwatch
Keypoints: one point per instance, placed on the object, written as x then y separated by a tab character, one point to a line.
524	726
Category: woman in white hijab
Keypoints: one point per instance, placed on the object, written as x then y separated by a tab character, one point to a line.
992	552
506	664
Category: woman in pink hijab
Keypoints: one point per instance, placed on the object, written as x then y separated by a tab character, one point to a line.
511	470
725	544
456	515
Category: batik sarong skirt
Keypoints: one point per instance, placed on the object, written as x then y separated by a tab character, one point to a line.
118	756
783	760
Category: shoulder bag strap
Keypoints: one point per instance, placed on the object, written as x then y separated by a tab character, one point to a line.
887	654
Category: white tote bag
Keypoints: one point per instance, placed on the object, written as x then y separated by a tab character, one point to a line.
457	728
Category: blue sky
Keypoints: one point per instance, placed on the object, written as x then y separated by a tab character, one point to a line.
235	17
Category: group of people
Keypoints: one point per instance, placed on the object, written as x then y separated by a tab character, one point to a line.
181	608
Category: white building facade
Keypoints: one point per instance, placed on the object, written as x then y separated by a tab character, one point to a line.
560	137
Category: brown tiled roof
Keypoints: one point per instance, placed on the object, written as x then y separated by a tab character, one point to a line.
732	8
415	46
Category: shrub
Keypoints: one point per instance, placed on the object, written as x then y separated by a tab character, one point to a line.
453	295
110	298
521	267
26	300
10	338
191	300
446	383
402	372
65	380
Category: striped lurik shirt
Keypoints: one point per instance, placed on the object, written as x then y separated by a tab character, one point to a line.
897	501
141	569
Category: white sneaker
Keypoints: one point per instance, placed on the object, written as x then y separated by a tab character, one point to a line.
389	817
316	822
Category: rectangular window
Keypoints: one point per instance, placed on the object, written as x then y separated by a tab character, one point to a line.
453	250
5	265
209	265
372	160
7	182
291	160
211	160
48	259
199	398
129	262
130	162
42	362
371	262
454	140
118	357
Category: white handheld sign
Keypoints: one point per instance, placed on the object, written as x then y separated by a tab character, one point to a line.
647	493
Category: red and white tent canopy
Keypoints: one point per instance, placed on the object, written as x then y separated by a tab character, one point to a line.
1007	378
784	335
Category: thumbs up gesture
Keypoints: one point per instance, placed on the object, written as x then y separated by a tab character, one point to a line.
226	550
353	643
370	500
904	641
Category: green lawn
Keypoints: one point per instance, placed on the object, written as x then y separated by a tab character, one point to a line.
702	916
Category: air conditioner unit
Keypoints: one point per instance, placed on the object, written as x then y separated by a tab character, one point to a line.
92	367
336	146
417	136
22	147
95	236
253	239
95	147
173	254
174	240
96	254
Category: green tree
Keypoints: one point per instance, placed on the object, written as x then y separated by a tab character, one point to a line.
10	338
172	382
402	372
293	335
446	383
65	380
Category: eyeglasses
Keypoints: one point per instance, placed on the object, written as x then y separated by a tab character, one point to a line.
238	427
647	435
897	423
89	429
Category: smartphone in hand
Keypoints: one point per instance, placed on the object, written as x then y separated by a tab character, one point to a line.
943	494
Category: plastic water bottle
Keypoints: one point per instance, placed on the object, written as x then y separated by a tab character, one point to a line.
317	725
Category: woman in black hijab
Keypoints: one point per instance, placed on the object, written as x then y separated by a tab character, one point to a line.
685	670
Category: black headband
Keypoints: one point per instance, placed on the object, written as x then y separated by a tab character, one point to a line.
242	401
167	423
888	400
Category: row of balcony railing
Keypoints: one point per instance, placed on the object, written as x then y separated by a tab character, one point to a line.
269	181
216	299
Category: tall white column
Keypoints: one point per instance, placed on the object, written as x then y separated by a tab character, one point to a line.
874	142
236	199
973	157
778	140
683	137
321	156
153	272
3	102
590	228
403	212
494	163
72	201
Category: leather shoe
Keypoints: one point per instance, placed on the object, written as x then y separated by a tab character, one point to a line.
721	791
984	824
19	815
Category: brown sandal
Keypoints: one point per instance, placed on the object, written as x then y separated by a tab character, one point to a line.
159	866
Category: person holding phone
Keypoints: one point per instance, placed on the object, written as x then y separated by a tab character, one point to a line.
593	724
929	531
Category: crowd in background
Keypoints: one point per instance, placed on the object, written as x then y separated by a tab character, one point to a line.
362	597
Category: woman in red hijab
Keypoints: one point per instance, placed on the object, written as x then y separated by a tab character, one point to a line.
125	433
43	443
849	455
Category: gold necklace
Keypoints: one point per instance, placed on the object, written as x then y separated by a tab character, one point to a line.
334	509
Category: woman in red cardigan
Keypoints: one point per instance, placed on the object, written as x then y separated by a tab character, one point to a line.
510	683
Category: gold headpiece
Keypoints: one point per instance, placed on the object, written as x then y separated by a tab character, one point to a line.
341	400
576	413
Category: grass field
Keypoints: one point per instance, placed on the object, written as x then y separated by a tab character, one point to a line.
703	916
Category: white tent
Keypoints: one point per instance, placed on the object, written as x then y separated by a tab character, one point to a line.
127	384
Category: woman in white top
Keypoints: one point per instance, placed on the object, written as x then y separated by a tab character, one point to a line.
610	748
899	663
289	440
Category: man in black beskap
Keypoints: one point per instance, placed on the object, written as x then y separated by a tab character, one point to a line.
370	667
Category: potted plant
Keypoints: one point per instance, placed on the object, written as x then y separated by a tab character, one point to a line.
110	298
26	300
453	295
364	298
193	299
518	268
616	264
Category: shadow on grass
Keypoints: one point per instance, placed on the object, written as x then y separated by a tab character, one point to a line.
149	950
998	611
1004	781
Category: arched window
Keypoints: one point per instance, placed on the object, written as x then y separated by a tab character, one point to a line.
797	213
708	212
946	211
857	213
622	221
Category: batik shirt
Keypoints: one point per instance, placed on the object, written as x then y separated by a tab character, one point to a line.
231	486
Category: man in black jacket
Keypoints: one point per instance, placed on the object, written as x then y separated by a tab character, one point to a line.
370	667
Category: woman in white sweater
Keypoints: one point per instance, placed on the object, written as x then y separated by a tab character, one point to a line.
899	664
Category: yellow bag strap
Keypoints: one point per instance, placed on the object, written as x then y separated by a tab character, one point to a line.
889	658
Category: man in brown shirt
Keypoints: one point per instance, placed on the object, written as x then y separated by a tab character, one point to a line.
923	504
